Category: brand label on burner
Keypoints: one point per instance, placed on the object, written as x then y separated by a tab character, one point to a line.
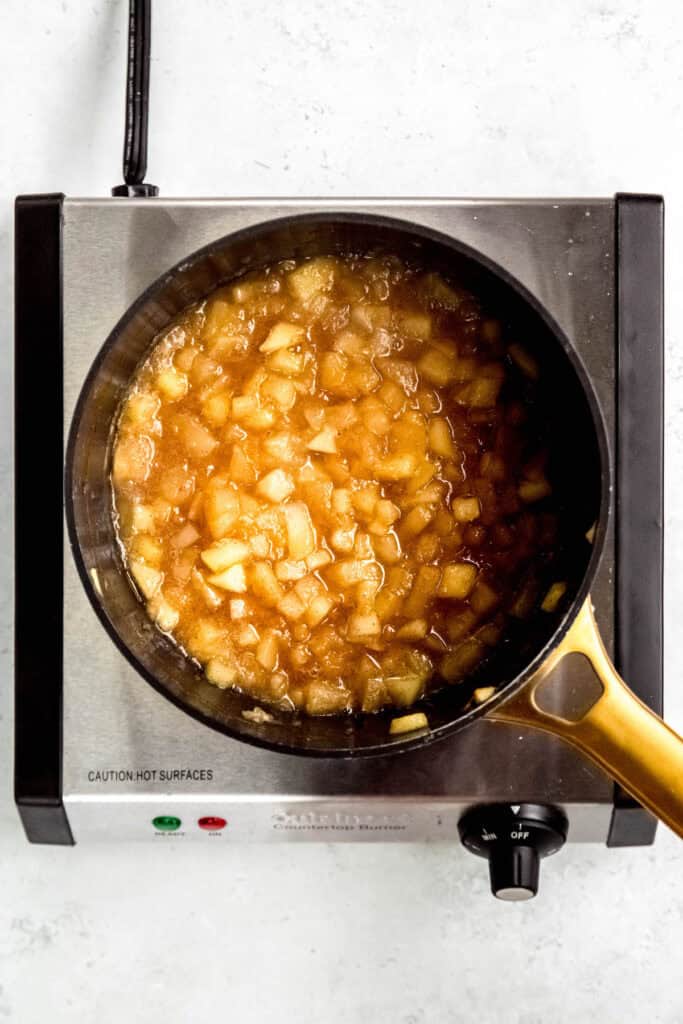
339	821
110	776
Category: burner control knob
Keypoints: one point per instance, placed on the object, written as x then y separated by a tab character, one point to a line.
513	838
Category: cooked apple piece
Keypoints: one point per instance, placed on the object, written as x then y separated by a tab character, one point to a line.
483	693
460	662
279	390
440	438
209	640
490	634
424	591
247	635
457	580
317	560
416	629
133	458
342	501
437	366
196	439
291	364
483	598
362	627
300	532
350	571
363	377
416	325
283	335
185	537
238	608
350	344
142	519
221	673
267	650
408	723
374	694
417	520
275	486
334	368
525	361
392	396
224	553
173	385
141	409
259	546
288	570
481	393
148	579
319	609
396	467
551	601
241	469
466	510
460	624
244	405
326	698
177	485
147	548
362	546
265	583
312	278
365	500
217	408
259	419
203	370
404	690
428	547
249	506
534	490
234	579
308	587
291	606
387	548
212	598
222	509
325	441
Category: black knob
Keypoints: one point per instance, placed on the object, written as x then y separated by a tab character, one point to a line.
513	837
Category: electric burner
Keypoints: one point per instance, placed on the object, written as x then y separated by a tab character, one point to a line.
100	755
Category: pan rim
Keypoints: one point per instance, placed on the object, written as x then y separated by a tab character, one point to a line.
408	742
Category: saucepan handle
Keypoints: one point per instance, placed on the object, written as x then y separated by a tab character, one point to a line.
617	732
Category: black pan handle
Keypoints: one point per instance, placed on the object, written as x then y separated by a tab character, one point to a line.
137	103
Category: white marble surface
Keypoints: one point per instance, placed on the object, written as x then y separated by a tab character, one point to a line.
360	97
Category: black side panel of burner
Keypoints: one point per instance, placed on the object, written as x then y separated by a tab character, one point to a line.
640	472
39	533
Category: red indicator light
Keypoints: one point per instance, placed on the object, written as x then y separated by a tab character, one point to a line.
212	824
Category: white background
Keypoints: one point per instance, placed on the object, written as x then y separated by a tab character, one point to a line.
356	97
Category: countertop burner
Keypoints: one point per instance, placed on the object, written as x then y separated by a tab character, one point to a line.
100	754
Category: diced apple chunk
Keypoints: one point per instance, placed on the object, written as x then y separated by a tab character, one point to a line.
416	629
396	467
275	486
233	579
222	510
212	598
424	590
221	673
483	693
317	560
457	580
300	531
404	690
552	599
525	361
287	570
417	520
291	364
188	535
437	366
318	610
282	335
440	438
408	723
291	606
142	519
312	278
325	441
197	440
267	650
247	635
216	409
325	699
534	490
244	405
362	627
173	385
279	390
466	510
265	583
147	578
224	553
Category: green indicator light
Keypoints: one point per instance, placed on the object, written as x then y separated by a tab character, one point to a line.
166	823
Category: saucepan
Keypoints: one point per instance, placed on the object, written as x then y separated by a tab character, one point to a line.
608	724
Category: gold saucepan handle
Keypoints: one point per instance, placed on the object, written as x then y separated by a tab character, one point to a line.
617	731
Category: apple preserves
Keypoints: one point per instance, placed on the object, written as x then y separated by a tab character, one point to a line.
328	486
